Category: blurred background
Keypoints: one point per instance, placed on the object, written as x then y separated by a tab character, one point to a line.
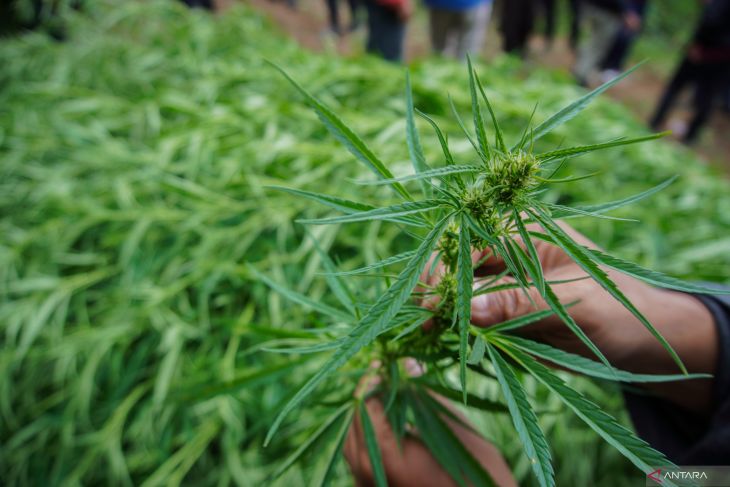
136	142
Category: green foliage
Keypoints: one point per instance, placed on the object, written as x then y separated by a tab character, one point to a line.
133	206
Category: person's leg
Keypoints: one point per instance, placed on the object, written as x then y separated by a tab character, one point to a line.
574	23
334	15
473	30
549	13
709	82
681	77
354	13
438	25
602	26
385	32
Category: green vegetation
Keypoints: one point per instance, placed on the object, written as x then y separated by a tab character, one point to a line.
133	213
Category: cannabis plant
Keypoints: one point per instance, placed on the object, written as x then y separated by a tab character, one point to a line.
491	204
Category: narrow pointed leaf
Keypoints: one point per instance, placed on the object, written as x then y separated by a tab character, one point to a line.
559	308
576	107
584	149
498	131
442	139
586	366
477	114
473	401
520	321
378	317
465	280
626	442
376	265
477	351
309	442
346	136
584	259
337	286
414	142
336	452
464	130
567	212
604	207
426	174
300	298
371	443
443	443
535	269
652	277
387	213
524	420
339	204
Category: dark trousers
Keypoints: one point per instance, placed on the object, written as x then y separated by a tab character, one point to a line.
625	38
334	13
516	23
708	81
385	32
574	23
207	4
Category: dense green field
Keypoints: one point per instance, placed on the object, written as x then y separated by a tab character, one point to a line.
134	159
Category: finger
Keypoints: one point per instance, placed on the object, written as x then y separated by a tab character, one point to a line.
495	307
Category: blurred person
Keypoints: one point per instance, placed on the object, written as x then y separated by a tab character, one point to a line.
574	36
602	20
516	23
206	4
548	11
387	21
334	15
624	40
688	421
705	66
458	27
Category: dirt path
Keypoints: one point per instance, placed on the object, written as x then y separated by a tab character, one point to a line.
640	92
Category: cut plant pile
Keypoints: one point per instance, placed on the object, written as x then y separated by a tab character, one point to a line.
136	330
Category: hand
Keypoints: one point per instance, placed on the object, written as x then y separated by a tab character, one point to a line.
632	21
412	464
681	318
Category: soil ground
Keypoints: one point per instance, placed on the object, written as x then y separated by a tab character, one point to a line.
307	23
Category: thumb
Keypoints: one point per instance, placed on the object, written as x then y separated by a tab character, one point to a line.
495	307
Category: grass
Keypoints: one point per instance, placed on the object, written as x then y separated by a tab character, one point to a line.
132	199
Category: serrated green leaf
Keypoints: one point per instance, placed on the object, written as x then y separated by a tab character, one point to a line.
386	213
465	280
576	212
347	137
585	149
336	453
473	401
477	351
583	258
337	286
483	151
300	298
309	442
460	122
612	205
414	142
375	265
535	269
575	107
339	204
520	321
651	277
583	365
442	139
559	309
498	131
524	420
629	445
441	441
371	443
377	318
427	174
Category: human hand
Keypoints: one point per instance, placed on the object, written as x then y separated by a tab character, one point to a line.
411	464
632	21
681	318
